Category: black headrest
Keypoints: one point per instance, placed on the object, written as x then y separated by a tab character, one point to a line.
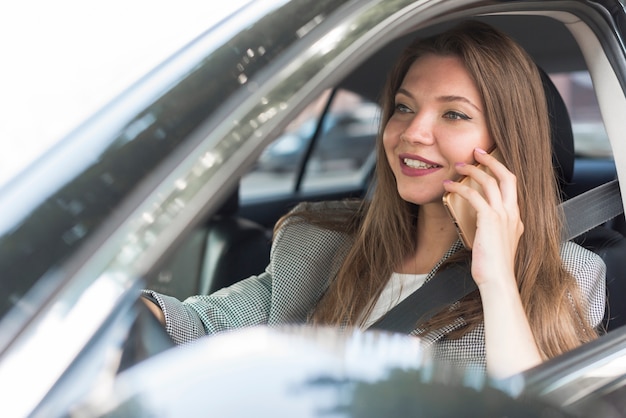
560	132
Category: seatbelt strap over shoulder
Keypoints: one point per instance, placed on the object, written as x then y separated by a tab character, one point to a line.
590	209
582	213
444	288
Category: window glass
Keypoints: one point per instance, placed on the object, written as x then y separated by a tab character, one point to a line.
344	153
590	138
341	156
277	167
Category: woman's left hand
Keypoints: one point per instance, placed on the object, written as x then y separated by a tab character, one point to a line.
499	226
509	341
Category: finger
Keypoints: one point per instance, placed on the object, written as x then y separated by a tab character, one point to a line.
507	181
473	196
483	181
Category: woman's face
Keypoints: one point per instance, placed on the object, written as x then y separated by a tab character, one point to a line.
437	122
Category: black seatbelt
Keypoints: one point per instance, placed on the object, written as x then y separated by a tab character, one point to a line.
590	209
446	287
582	213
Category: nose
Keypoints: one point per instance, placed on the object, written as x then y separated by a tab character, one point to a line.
419	130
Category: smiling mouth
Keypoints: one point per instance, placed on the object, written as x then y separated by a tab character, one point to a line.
418	164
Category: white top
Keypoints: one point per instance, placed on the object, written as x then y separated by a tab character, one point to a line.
397	289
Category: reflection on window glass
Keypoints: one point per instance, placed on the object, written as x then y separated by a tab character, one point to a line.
277	167
341	155
590	138
345	151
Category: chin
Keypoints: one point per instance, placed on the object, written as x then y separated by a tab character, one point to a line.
421	200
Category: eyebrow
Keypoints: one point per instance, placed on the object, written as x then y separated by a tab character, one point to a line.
443	99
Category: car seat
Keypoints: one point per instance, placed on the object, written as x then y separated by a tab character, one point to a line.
604	241
224	250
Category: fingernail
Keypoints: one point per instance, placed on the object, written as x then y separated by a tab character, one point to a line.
480	150
448	181
459	164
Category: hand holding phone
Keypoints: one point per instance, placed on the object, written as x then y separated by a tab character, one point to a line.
461	211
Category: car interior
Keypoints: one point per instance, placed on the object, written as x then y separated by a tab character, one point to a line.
234	242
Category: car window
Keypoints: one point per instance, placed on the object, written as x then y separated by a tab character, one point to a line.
342	152
590	137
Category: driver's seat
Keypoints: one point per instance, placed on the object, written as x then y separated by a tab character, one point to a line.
604	241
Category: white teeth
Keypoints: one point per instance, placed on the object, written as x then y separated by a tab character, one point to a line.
417	164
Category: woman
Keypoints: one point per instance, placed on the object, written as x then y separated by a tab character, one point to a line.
448	99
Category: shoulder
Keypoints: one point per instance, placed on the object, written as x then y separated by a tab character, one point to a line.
589	271
305	255
337	215
580	261
316	227
329	209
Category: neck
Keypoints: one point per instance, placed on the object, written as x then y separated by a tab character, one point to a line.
435	235
434	227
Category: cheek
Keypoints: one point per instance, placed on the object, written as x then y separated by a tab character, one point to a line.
463	151
385	140
484	141
390	140
392	132
488	144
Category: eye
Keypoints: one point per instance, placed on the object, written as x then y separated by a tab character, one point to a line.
454	115
402	108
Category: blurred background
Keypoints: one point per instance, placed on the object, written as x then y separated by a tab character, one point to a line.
63	60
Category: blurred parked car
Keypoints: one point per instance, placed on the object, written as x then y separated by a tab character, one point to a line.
144	193
346	139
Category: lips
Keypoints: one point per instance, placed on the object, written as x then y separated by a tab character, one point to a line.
418	164
413	165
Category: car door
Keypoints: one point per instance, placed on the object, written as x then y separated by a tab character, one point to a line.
87	226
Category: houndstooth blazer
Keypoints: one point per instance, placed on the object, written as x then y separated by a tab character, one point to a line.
303	260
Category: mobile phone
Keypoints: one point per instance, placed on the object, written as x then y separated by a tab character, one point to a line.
461	211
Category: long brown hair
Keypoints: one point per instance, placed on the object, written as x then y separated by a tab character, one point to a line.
517	120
